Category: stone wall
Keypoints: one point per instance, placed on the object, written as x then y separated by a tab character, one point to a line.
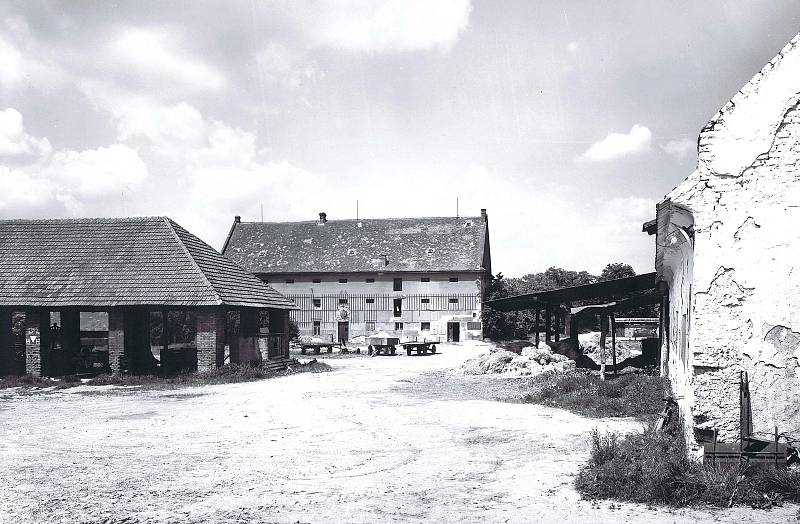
744	309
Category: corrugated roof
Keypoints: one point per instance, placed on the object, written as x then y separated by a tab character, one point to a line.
106	262
409	244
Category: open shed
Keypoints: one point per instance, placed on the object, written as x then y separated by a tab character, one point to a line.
135	271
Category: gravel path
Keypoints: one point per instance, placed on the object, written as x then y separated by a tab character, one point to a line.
384	439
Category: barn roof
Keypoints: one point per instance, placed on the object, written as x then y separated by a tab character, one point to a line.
106	262
367	245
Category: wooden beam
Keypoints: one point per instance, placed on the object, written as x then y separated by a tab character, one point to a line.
547	323
536	323
613	341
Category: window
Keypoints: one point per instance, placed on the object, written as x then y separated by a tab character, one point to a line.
398	307
343	281
453	279
474	325
342	301
316	281
425	279
425	326
315	327
425	300
317	303
266	280
351	251
370	301
290	281
453	301
370	281
398	326
370	326
397	284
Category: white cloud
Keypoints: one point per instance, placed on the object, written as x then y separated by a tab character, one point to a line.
15	142
572	47
11	64
618	145
157	56
387	25
164	126
680	149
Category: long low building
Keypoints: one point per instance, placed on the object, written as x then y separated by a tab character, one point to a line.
351	278
131	272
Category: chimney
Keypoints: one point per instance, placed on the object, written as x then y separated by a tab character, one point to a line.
237	219
323	217
484	216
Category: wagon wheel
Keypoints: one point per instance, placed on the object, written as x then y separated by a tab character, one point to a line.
392	349
433	349
408	351
369	351
302	351
330	349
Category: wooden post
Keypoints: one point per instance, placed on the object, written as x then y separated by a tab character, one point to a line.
547	322
613	341
536	324
164	340
603	334
558	323
6	343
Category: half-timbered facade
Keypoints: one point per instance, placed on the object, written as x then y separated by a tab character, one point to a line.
350	278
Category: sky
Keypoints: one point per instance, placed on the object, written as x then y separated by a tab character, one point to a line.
568	121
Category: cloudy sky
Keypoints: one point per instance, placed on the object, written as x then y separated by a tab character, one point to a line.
567	120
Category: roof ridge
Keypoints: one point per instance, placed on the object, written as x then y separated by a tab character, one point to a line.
171	226
359	220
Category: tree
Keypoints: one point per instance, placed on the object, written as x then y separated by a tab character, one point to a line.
617	270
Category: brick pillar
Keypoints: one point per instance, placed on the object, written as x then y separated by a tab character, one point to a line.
6	343
210	338
116	339
33	343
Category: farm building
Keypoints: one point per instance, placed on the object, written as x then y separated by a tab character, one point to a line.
89	294
354	277
728	248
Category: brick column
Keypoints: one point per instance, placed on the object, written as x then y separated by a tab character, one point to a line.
210	338
116	339
33	343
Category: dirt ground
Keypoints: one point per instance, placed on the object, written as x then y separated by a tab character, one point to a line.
384	439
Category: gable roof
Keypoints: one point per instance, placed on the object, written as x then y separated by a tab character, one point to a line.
410	245
105	262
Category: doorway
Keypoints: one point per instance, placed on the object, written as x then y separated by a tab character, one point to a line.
453	332
344	332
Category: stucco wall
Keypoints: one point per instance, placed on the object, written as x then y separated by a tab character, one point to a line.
745	305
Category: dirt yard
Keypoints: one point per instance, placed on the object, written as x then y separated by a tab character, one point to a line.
384	439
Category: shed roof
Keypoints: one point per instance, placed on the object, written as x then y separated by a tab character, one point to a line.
105	262
409	245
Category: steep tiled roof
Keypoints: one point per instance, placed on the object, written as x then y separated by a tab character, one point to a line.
120	262
410	244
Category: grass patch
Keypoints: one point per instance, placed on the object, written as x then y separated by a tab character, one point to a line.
228	374
654	468
582	392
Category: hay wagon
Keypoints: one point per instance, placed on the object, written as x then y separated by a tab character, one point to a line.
421	347
382	345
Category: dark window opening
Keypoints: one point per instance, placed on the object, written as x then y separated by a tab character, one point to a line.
370	301
317	303
370	326
290	281
398	307
316	281
343	281
342	301
398	326
370	281
453	301
397	284
425	326
425	279
315	329
425	300
453	279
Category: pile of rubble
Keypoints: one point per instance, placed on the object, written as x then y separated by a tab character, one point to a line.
590	346
531	361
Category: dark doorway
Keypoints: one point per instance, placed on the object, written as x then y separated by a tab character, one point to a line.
398	307
453	332
344	332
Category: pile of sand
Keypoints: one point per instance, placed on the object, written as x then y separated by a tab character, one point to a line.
532	361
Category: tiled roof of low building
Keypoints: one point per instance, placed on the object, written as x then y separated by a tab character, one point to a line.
109	262
368	245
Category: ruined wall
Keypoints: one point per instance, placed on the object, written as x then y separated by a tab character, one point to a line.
745	307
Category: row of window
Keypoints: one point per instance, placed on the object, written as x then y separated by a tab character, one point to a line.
398	302
398	326
397	283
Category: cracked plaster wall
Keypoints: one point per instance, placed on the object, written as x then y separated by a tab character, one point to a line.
745	304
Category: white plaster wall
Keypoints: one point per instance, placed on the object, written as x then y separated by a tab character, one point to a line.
745	309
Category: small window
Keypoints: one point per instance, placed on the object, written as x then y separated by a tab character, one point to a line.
453	279
343	281
425	279
398	326
425	326
425	300
342	301
316	281
398	307
351	251
315	330
397	284
317	303
370	281
266	280
429	251
290	281
369	326
474	325
370	301
453	301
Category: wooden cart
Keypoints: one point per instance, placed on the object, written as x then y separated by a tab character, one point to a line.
422	348
379	345
316	347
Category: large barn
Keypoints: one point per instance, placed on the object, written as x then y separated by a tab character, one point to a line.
409	276
85	293
728	249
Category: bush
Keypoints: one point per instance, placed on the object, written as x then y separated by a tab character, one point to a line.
654	468
582	392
